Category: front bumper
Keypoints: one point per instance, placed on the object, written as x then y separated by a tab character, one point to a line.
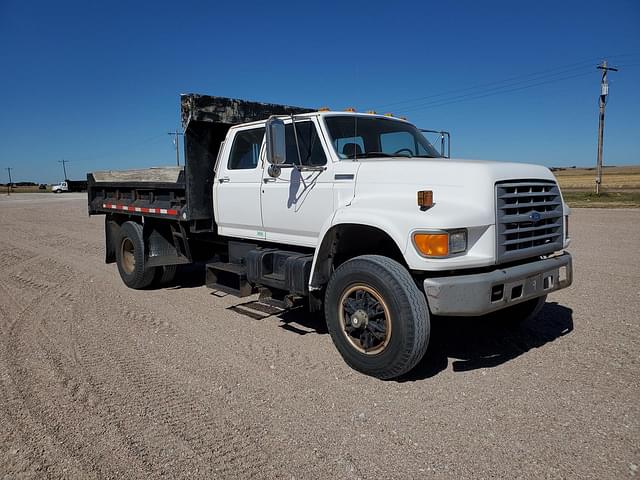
478	294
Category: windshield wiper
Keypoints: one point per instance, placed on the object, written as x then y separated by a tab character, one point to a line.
368	154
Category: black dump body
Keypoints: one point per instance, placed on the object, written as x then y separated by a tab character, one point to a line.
77	185
179	193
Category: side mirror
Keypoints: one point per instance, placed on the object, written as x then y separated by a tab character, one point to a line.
276	144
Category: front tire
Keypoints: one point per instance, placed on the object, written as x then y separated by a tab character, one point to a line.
377	317
130	257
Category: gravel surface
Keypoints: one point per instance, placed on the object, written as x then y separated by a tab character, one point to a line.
100	381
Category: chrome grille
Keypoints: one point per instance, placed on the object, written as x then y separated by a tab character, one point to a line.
528	219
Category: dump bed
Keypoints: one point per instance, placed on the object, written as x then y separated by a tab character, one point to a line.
181	193
156	191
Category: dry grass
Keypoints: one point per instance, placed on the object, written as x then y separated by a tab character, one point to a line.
620	187
35	189
613	178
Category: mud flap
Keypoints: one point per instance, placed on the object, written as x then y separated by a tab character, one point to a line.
165	244
111	231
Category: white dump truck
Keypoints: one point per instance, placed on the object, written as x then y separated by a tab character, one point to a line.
354	214
69	186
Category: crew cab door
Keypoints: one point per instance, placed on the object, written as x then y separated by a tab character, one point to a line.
297	203
237	185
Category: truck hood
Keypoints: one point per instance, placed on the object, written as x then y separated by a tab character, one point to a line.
431	172
463	190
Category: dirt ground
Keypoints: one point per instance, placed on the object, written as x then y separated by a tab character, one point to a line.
100	381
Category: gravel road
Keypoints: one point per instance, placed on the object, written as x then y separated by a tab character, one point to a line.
100	381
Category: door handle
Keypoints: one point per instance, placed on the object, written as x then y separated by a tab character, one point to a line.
268	179
224	179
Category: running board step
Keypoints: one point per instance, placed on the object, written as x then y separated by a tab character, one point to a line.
257	310
228	278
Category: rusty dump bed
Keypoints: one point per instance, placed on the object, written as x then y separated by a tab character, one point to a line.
181	193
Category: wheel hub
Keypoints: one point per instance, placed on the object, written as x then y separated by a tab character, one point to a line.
128	256
365	319
359	319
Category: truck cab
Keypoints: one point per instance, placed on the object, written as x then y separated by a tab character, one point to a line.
60	187
358	215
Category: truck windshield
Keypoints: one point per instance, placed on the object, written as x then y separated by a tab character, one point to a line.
361	137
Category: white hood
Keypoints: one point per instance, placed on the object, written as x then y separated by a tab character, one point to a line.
447	172
463	190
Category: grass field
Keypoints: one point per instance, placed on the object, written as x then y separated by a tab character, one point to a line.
3	190
620	187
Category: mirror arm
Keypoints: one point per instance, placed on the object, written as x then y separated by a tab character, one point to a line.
295	134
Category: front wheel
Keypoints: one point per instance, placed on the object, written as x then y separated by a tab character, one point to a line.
377	317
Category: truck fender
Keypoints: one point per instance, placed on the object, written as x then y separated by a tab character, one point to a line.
323	255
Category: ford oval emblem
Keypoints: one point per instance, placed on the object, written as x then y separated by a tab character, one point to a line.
534	216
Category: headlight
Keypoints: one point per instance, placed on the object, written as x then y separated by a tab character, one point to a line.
440	244
457	241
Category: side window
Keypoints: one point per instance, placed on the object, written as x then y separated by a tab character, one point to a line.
245	151
311	149
395	141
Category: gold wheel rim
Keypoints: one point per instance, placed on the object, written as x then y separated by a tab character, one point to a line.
364	319
127	251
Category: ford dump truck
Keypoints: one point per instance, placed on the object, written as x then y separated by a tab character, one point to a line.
354	214
70	186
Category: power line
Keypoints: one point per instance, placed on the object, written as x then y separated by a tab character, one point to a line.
477	95
540	77
508	81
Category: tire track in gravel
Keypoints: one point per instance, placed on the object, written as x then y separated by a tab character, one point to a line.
17	375
179	406
49	368
246	358
169	383
174	404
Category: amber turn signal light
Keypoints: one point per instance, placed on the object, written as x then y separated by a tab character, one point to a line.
425	199
432	244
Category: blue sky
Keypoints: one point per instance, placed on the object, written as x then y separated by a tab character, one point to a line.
97	83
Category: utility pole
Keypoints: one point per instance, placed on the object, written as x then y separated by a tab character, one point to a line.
63	162
604	91
177	144
10	181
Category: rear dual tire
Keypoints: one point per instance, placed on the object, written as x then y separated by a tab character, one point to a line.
131	259
165	274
